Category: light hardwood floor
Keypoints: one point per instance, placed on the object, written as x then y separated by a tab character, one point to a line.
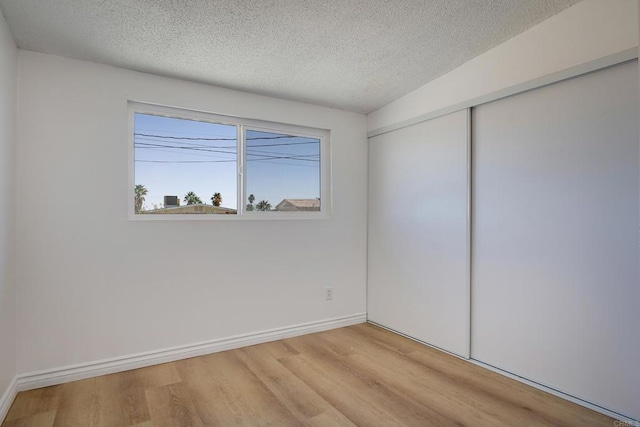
360	375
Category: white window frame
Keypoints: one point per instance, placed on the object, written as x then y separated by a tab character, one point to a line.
242	125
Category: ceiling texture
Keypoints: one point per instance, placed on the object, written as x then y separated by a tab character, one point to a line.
355	55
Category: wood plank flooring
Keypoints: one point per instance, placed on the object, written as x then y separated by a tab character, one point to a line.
360	375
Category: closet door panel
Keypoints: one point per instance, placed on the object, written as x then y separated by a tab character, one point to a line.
555	276
418	280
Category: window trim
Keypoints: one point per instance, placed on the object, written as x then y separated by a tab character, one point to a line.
242	124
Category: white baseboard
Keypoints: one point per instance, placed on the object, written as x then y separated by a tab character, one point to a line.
7	398
49	377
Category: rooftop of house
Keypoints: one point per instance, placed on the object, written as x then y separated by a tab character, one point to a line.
302	203
191	209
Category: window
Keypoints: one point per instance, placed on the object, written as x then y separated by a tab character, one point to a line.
195	165
282	168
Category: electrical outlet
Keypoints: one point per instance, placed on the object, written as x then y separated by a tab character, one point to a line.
328	293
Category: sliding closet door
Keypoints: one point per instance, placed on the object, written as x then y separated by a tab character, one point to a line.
555	282
417	267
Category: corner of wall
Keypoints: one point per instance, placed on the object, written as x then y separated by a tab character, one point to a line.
8	324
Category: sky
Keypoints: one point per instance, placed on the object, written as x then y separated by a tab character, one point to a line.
175	156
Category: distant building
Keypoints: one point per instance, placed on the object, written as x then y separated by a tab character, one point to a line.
191	209
299	205
171	201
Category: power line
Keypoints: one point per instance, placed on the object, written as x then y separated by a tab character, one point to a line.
227	161
260	154
287	143
146	144
231	146
275	152
220	157
288	164
189	138
184	154
185	143
184	161
177	147
149	137
231	160
208	132
292	156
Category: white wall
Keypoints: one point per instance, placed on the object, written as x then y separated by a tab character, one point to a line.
8	59
93	284
589	30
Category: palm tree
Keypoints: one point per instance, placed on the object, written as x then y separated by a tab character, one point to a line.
140	192
191	199
250	205
216	199
263	205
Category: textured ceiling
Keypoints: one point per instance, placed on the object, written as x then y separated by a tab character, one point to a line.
355	55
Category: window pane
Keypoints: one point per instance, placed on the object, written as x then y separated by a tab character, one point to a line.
282	172
184	166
